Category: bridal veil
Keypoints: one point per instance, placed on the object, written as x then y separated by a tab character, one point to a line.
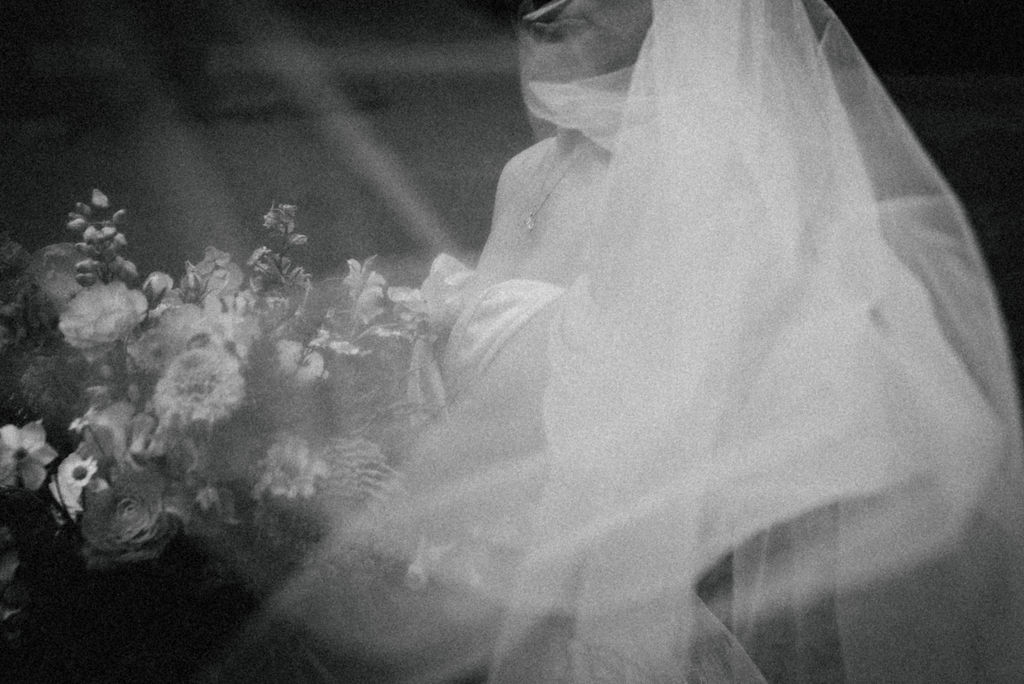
787	322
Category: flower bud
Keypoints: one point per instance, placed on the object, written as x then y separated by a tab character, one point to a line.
99	200
85	266
191	287
191	281
108	232
86	279
120	216
77	225
83	209
120	240
129	272
156	286
91	234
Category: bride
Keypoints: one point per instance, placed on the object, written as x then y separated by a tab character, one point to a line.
730	399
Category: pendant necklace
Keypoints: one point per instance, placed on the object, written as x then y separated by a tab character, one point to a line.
531	218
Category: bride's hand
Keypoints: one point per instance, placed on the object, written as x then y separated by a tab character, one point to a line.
495	422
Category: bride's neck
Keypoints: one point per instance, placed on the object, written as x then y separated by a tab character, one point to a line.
571	142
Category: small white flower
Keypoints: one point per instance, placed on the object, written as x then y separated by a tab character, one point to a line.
24	455
74	473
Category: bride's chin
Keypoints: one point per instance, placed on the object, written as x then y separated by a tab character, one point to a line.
545	65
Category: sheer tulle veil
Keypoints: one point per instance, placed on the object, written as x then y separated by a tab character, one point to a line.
789	315
786	321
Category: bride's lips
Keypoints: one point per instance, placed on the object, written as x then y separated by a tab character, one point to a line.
541	12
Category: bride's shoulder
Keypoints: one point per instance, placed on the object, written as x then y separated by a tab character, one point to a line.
526	164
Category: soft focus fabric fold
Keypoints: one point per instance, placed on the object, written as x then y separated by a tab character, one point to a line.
798	319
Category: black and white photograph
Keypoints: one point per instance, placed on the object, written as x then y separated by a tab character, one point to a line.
512	342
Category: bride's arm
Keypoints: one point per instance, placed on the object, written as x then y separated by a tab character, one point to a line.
497	415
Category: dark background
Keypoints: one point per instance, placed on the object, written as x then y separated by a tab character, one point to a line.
388	122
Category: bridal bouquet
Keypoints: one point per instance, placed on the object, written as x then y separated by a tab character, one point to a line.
244	404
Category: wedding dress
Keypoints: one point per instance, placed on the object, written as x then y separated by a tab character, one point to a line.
500	532
780	361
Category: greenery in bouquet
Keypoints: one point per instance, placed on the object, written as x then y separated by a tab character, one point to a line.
244	405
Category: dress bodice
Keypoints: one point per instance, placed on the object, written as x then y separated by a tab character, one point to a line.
493	407
488	322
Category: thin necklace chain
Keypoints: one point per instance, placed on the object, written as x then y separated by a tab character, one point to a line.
531	218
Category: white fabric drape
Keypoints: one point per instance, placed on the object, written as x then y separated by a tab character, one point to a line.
797	320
